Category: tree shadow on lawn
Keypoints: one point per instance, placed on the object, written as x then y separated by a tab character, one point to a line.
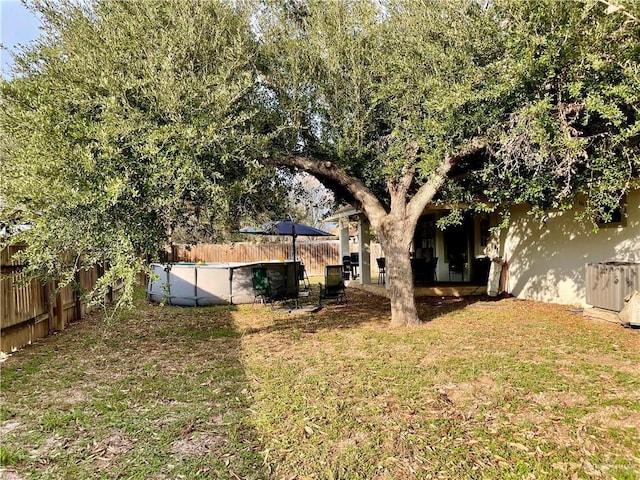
160	393
431	308
362	308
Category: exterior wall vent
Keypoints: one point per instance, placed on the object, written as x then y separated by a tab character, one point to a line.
609	282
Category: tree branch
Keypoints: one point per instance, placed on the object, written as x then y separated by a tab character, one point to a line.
426	192
399	188
334	177
614	8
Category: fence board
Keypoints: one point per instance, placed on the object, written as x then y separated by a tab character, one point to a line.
314	254
27	311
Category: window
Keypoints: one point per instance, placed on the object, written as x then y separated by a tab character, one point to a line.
616	217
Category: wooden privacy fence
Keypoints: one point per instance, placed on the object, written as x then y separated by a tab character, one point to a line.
29	311
314	254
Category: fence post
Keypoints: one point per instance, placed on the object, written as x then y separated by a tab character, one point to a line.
60	323
51	320
8	297
76	296
110	292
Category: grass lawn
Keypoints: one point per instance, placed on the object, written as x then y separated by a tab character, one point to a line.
483	389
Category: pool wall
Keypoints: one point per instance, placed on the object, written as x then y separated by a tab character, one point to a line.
201	284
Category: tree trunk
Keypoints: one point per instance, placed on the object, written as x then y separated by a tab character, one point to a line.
396	227
395	240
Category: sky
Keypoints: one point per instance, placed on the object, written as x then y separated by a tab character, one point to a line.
17	26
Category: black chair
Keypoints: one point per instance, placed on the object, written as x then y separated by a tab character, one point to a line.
382	269
303	278
347	268
333	287
419	270
269	285
278	290
355	263
432	265
480	273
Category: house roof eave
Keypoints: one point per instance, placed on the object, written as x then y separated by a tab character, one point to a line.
343	212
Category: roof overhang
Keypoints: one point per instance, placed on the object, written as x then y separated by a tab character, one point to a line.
343	212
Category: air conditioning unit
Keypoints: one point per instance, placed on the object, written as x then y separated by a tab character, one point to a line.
609	282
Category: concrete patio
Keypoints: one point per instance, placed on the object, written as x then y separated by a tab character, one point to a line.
443	289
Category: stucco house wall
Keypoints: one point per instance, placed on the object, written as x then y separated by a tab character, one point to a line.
546	261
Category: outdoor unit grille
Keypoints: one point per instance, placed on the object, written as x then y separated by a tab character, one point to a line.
609	282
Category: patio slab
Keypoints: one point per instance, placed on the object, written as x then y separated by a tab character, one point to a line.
438	290
302	310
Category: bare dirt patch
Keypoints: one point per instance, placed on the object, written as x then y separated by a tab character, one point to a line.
198	444
10	474
481	390
113	446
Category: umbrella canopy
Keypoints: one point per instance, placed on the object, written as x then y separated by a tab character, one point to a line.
289	229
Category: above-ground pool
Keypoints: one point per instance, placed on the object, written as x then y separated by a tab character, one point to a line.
199	284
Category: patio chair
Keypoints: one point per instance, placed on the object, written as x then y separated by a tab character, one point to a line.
278	291
268	285
419	270
333	287
432	276
382	269
304	286
355	264
260	283
347	267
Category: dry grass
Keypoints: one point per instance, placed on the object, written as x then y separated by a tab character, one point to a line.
483	389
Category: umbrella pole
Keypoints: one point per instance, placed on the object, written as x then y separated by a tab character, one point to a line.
295	267
294	255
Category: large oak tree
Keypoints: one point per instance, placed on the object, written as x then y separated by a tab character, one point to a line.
391	106
381	104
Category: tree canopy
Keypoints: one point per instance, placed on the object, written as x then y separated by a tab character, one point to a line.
128	116
420	102
575	128
125	121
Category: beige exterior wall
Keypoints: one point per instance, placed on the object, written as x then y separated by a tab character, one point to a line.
546	261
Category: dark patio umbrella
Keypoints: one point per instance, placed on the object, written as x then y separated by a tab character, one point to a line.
289	229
